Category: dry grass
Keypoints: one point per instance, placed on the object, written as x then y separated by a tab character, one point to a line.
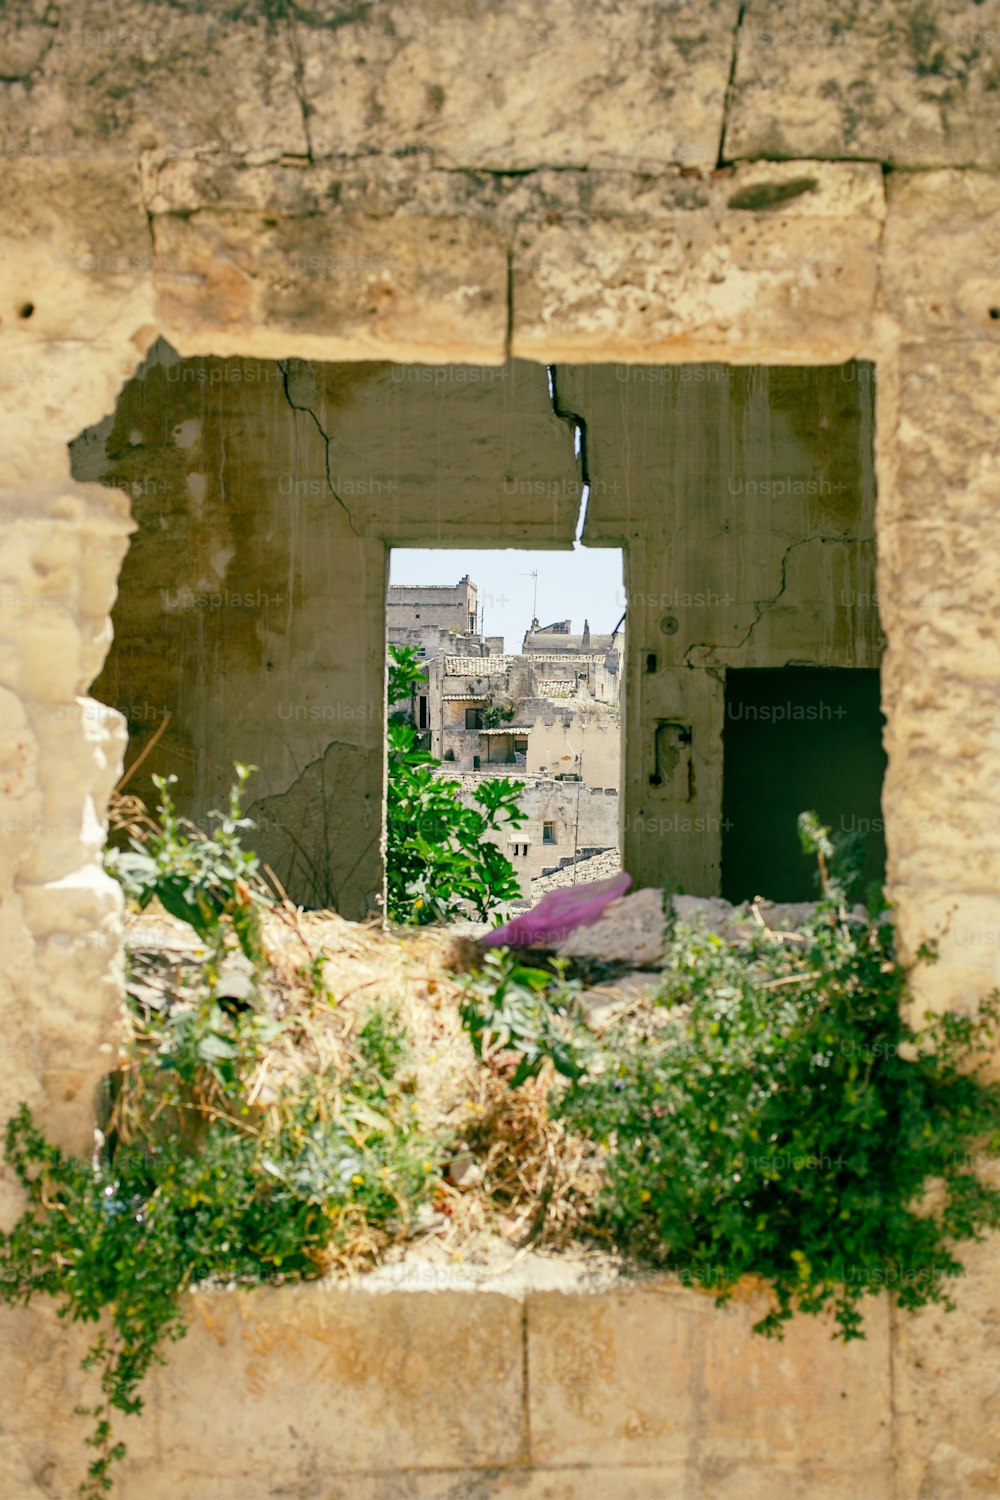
510	1173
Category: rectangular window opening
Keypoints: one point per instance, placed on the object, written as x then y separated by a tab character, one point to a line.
524	654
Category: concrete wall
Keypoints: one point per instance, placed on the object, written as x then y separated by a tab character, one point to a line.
251	604
746	498
256	187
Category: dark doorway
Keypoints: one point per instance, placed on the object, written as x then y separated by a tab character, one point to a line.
798	739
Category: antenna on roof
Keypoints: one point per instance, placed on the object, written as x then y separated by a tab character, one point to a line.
534	603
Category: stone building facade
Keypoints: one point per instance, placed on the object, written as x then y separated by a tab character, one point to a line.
551	721
251	259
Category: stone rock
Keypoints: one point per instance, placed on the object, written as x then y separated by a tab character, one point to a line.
630	931
633	928
603	1002
505	87
710	912
676	269
464	1172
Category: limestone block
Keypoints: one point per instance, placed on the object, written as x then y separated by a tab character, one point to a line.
76	252
915	87
385	269
112	77
77	979
327	1380
941	254
807	1402
508	87
938	534
614	1379
57	579
771	262
81	746
76	303
42	1450
946	1379
20	795
145	1481
806	1479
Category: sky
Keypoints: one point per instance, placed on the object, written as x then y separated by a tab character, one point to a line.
583	584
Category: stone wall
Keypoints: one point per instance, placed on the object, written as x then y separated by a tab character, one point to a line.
746	502
441	607
430	1383
581	817
656	184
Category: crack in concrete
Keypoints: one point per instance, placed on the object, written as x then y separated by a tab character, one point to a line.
326	890
327	440
761	606
579	428
720	160
508	339
298	76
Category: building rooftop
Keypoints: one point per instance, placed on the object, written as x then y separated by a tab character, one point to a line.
475	666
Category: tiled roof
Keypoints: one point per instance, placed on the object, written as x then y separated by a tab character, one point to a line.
475	666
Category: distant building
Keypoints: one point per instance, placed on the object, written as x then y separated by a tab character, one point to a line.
547	716
435	619
448	607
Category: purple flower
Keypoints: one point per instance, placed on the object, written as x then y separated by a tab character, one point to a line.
559	913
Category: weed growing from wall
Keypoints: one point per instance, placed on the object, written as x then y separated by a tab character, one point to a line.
208	1174
773	1115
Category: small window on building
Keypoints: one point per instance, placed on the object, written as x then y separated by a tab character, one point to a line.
548	833
520	747
422	711
473	718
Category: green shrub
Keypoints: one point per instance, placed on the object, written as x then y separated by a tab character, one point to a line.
210	882
198	1180
774	1115
439	865
526	1013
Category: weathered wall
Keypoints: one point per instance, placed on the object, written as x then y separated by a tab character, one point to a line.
583	817
746	502
436	607
429	1385
251	604
319	187
583	739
